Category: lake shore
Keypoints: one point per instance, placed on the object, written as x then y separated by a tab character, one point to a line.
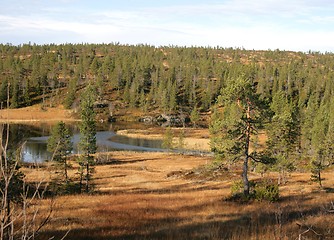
36	114
189	138
164	195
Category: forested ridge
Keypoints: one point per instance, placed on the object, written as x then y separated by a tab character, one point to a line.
165	78
297	86
268	114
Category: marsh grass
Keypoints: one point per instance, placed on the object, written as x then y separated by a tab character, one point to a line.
137	198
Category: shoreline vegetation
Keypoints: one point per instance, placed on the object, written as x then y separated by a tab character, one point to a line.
156	195
192	139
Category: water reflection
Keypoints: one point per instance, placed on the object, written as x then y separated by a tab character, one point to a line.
35	151
35	148
137	141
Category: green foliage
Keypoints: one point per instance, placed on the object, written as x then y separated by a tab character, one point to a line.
3	91
322	141
242	117
167	141
14	102
317	166
194	116
265	190
237	187
216	133
169	78
70	96
181	143
87	144
88	124
60	145
181	76
283	133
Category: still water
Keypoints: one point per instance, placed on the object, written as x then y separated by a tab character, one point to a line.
35	142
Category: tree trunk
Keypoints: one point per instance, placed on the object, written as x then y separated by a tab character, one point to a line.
87	175
65	170
245	165
245	176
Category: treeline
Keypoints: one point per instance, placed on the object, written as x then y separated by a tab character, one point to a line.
165	78
172	79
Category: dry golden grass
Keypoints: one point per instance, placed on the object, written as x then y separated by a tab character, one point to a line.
148	196
35	114
194	139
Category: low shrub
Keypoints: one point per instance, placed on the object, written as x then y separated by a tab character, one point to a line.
260	190
266	190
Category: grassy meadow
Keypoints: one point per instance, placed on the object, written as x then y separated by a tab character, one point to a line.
172	196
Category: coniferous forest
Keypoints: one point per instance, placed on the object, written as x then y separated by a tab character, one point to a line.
298	87
272	110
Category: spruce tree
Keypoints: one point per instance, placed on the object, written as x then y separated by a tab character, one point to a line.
216	133
167	141
87	144
283	133
61	146
70	96
194	116
322	141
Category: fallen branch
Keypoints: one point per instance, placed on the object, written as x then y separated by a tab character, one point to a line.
331	210
308	229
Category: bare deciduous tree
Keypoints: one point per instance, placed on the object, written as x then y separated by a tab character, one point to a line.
20	217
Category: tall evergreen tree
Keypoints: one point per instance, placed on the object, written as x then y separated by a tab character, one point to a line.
14	102
61	146
243	115
283	133
322	141
87	143
194	116
70	96
216	128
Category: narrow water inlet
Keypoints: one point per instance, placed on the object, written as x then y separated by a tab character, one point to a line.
35	148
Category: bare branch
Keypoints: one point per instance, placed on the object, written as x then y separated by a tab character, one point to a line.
308	228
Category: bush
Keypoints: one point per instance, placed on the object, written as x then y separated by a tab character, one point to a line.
237	187
237	191
262	190
266	190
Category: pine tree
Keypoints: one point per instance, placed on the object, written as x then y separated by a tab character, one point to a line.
322	141
309	113
181	142
61	146
243	115
26	94
194	116
14	102
283	132
168	139
87	144
70	96
216	133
